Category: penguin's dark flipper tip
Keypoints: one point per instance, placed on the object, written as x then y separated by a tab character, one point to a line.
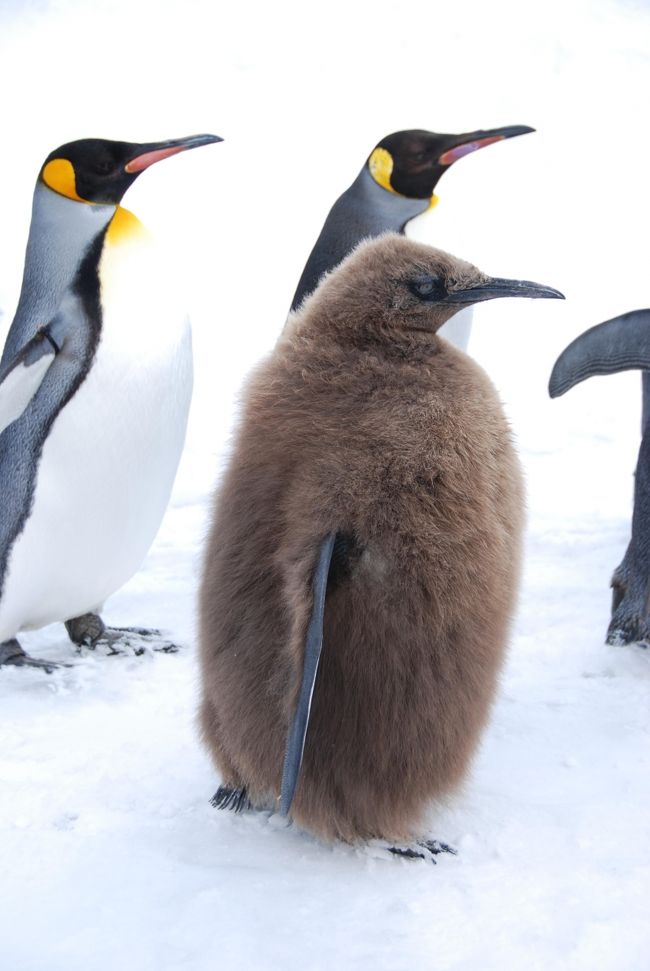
231	797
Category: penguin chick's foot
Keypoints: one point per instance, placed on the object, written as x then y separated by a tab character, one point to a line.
422	850
90	631
12	653
231	797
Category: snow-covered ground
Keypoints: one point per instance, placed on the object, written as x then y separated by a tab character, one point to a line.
110	854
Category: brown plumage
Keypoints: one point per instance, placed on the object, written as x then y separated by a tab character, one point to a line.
363	421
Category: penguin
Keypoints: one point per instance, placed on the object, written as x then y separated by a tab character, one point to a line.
372	507
620	344
95	386
395	185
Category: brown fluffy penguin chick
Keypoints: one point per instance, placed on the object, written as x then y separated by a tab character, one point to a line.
364	422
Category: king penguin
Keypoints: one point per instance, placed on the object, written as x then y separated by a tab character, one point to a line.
395	185
372	508
95	387
620	344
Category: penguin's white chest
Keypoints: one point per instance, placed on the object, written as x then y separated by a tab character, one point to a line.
108	465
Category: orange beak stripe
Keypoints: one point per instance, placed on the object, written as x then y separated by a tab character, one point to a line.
455	153
142	162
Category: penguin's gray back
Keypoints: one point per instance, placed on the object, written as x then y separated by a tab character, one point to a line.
365	210
411	457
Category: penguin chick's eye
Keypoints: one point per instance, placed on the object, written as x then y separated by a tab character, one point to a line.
427	287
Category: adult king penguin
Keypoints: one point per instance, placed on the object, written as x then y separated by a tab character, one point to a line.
373	504
620	344
95	387
395	185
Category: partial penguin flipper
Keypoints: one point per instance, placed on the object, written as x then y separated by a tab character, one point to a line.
313	645
23	376
619	344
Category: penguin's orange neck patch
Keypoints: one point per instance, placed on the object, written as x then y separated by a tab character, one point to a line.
59	176
381	164
125	227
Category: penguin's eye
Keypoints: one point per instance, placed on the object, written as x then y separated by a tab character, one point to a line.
427	287
103	166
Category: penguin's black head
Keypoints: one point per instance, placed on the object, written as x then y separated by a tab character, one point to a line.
395	291
410	163
99	171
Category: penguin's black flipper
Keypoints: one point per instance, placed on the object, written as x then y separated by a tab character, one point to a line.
313	644
619	344
21	378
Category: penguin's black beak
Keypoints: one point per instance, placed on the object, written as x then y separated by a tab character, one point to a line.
157	151
497	287
472	141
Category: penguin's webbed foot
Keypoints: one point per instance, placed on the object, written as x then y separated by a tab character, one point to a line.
630	622
90	631
423	850
11	653
149	637
234	798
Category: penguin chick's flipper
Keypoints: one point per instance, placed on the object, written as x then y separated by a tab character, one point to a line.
22	377
313	645
12	654
90	631
619	344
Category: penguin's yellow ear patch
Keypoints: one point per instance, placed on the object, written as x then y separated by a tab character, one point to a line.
433	201
59	175
380	164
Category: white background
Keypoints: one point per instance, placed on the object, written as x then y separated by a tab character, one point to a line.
111	855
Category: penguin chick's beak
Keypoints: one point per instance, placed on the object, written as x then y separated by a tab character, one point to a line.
472	141
497	287
157	151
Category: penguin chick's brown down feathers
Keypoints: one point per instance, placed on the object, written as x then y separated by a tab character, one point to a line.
364	422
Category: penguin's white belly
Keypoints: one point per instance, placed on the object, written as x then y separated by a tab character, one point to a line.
108	465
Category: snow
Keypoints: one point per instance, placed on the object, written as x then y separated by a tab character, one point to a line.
111	854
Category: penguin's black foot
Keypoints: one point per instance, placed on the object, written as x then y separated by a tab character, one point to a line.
229	797
621	634
90	631
11	653
139	639
630	623
423	850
